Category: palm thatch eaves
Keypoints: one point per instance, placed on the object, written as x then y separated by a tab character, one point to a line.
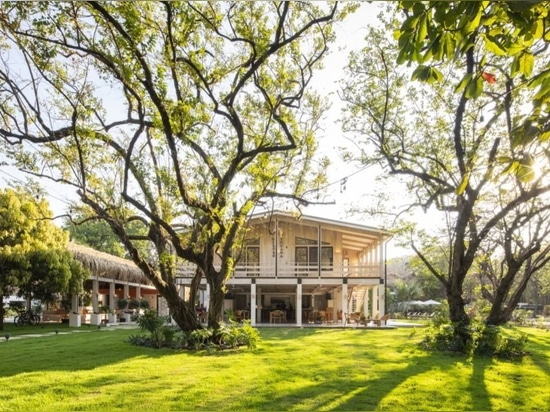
108	266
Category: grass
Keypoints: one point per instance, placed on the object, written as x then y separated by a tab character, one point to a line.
292	369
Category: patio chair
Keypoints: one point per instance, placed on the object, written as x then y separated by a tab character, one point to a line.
277	316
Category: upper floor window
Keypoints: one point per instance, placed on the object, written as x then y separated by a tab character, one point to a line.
251	252
307	253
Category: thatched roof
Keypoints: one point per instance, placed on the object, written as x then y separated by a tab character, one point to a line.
106	265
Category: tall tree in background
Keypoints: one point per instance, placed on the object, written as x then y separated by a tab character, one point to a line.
179	116
97	234
475	123
34	261
510	257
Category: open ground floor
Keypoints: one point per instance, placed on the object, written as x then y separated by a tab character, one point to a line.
301	302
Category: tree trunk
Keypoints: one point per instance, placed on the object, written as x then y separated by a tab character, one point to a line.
184	315
457	314
459	317
501	310
1	312
215	307
182	312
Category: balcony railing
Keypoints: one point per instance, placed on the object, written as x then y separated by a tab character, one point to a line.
292	271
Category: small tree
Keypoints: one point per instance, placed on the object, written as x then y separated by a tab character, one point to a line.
34	261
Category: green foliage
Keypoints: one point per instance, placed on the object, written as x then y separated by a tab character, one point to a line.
122	304
198	339
150	321
469	149
483	340
33	256
160	334
234	334
509	37
98	235
209	114
229	336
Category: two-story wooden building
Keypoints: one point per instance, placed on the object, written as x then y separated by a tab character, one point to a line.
302	270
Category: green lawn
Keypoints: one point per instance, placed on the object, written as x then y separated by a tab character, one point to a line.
292	369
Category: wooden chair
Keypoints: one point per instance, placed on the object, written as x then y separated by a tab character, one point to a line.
384	319
277	316
329	314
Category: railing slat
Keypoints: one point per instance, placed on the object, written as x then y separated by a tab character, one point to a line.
290	271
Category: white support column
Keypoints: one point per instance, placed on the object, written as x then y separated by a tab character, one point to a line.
258	307
112	296
375	305
138	292
95	317
382	260
253	304
381	300
299	304
126	291
95	295
112	303
367	304
74	317
344	302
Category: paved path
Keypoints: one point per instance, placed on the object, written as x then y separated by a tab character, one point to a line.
82	329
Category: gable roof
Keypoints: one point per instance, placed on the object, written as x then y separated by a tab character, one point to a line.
354	236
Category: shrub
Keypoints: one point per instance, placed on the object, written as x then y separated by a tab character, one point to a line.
231	335
520	316
150	321
200	338
476	339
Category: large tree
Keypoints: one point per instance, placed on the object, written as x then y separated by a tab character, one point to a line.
474	123
181	116
34	261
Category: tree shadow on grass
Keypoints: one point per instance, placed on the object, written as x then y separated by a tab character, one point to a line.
370	394
85	349
539	344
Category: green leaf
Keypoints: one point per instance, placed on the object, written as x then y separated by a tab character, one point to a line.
525	171
463	83
473	17
493	45
427	74
460	189
512	167
474	88
537	29
523	64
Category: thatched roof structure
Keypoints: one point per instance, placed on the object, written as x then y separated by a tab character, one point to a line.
108	266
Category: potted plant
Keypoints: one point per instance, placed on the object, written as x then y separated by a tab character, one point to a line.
106	310
121	305
65	309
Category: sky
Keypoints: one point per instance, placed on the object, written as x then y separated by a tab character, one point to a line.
348	184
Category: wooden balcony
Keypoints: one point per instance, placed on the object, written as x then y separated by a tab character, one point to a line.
294	271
